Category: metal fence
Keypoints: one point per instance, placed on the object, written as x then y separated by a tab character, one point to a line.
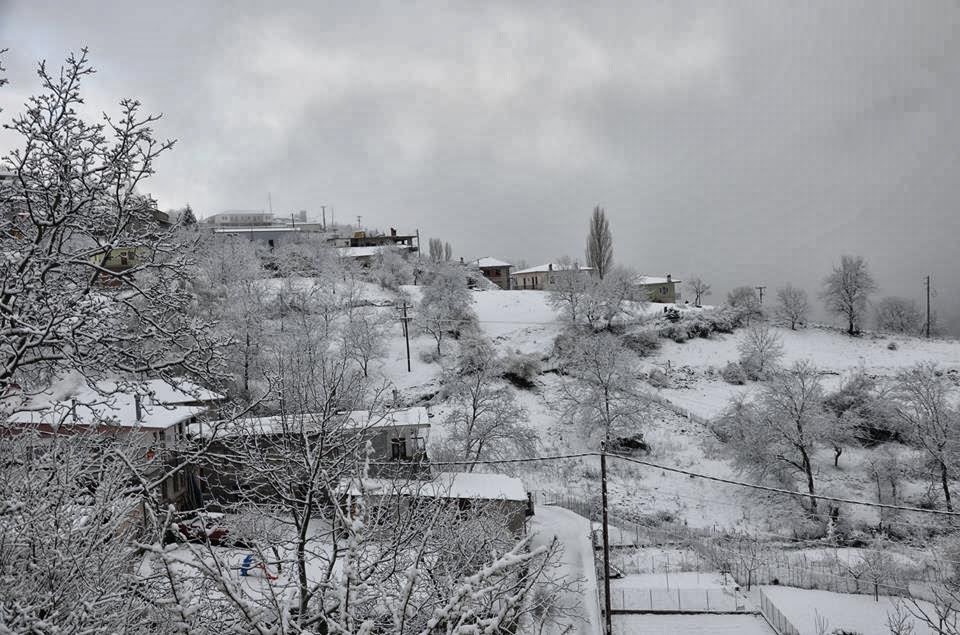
777	620
675	600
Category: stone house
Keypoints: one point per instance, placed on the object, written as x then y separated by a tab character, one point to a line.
657	289
496	271
543	276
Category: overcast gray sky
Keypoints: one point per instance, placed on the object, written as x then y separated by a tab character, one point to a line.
748	142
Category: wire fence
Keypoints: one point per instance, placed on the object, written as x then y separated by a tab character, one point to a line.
644	600
777	620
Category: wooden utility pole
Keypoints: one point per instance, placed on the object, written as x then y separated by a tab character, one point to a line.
760	289
606	539
928	307
406	333
324	208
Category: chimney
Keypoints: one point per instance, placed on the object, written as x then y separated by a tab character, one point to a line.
669	278
393	232
461	260
550	267
138	407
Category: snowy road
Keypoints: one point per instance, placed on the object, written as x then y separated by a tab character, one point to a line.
573	532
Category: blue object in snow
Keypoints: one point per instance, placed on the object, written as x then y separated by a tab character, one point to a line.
247	565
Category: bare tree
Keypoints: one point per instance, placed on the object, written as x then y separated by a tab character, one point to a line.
934	423
760	350
485	421
444	308
600	243
899	315
447	252
435	249
700	289
783	429
568	290
847	289
792	306
601	389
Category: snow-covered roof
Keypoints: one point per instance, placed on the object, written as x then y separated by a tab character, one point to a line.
487	261
255	230
551	266
415	416
72	403
366	252
642	279
455	485
355	420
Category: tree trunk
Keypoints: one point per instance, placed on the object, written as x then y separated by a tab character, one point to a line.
945	481
837	451
808	469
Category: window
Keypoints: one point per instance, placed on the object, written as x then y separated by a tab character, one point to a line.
663	291
398	448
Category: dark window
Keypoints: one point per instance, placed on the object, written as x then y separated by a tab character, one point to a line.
398	448
270	243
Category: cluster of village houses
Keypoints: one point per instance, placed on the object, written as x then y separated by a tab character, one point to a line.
164	419
363	246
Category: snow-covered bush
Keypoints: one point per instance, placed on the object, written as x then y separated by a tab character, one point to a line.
892	346
643	343
676	332
733	373
521	370
658	379
429	356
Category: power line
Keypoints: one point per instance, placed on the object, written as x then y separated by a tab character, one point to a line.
708	477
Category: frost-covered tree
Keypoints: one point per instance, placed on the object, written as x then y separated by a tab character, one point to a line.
444	308
600	390
926	407
700	289
780	431
600	243
612	297
90	279
365	337
744	299
847	289
792	306
485	421
760	350
899	315
568	290
391	269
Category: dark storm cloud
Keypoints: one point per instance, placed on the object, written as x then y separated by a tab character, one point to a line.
748	142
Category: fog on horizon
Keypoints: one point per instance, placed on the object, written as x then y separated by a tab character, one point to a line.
747	144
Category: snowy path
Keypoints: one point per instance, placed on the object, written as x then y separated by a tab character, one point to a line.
573	532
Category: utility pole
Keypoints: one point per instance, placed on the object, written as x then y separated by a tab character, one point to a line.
928	307
358	221
760	289
270	202
324	208
406	332
606	539
293	223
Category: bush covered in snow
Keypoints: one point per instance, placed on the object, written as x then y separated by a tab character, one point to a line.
521	370
429	356
733	373
643	343
658	379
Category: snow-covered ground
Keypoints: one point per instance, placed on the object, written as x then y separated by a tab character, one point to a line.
856	613
646	624
697	362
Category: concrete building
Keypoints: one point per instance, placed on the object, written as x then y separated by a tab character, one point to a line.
240	218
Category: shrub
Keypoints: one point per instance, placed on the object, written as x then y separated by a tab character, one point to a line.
521	370
631	443
892	346
429	356
658	379
675	332
644	343
733	373
672	314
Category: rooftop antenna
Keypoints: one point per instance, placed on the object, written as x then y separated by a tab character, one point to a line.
358	221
